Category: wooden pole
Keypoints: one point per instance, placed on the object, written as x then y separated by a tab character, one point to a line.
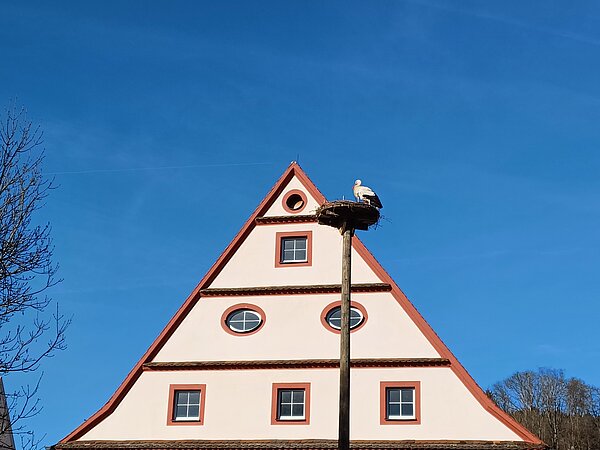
346	216
344	417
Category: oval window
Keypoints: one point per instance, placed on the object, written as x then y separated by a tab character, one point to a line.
243	320
334	317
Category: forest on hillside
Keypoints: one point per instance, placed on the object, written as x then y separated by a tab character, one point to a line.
563	412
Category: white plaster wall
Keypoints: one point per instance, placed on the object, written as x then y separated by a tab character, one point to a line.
253	264
238	406
293	330
276	208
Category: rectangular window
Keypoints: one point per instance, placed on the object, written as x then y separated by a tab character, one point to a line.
400	402
186	404
291	404
293	249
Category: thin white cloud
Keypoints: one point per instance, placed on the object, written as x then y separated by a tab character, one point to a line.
511	21
139	169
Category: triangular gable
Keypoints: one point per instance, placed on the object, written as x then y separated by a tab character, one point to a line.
270	207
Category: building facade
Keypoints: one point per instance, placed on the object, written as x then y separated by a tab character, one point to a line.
250	359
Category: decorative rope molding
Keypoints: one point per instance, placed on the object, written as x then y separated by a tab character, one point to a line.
309	444
292	290
270	220
295	364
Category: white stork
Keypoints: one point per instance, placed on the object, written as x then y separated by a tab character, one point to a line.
366	195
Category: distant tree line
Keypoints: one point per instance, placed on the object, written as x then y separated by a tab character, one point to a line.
563	412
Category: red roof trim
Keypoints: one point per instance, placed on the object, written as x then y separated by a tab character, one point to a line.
295	170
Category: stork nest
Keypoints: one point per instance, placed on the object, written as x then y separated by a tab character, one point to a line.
346	214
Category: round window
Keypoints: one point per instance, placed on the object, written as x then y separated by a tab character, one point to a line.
334	317
243	320
294	201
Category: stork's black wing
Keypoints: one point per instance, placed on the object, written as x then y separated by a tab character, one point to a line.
374	200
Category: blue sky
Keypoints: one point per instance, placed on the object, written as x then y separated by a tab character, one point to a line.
166	123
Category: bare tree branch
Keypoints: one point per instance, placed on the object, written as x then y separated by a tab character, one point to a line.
28	334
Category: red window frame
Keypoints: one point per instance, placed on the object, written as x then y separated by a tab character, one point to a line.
288	195
250	306
298	234
354	304
171	409
275	403
416	385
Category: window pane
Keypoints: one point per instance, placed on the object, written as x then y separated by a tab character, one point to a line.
194	411
236	326
393	395
181	398
407	395
288	255
298	396
237	316
285	410
301	243
251	315
194	397
393	410
298	410
407	409
336	313
181	412
336	323
286	396
288	244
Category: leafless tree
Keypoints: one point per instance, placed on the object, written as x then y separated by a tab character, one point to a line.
563	412
28	331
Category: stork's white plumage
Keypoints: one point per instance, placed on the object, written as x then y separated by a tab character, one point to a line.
366	194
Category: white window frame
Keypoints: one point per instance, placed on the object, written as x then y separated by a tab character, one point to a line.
244	320
294	239
352	309
412	402
291	403
187	404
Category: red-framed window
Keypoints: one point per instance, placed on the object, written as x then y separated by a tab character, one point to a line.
294	201
290	404
186	404
400	402
331	316
293	249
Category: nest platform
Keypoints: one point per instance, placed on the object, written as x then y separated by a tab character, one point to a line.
346	214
